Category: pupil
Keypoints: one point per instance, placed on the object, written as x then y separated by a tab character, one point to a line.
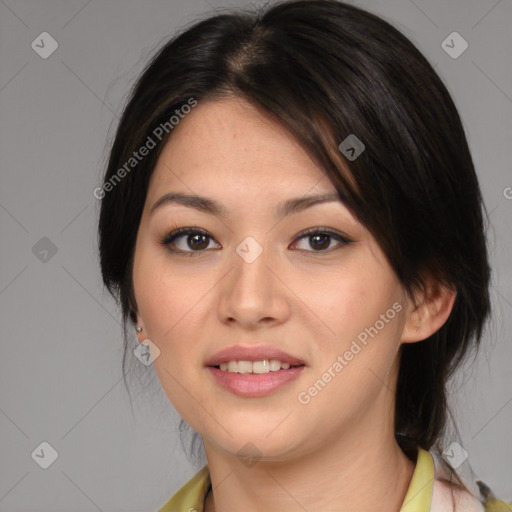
194	238
326	240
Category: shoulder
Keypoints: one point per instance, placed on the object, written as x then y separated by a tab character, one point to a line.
191	495
446	497
449	497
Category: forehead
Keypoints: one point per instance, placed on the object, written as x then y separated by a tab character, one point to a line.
231	144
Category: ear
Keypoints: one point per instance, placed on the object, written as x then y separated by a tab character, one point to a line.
433	306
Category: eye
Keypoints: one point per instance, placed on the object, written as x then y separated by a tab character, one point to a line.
320	239
196	238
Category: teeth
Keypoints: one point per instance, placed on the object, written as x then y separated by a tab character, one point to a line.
264	366
244	367
260	366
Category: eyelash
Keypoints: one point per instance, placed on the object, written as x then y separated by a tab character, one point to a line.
169	238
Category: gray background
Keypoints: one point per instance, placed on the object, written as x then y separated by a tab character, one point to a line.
60	376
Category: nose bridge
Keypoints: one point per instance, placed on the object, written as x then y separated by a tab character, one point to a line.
251	259
251	292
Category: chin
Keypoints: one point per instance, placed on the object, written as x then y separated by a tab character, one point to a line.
253	446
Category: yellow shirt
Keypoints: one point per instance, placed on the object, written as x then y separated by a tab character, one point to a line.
423	491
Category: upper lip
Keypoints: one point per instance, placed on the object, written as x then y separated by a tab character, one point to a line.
254	353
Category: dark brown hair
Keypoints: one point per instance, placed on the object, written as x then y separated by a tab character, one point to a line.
326	70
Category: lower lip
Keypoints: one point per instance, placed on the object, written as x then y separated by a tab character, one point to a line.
254	385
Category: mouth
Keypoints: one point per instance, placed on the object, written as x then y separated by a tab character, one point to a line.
254	371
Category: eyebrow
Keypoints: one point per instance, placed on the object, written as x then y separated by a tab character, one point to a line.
211	206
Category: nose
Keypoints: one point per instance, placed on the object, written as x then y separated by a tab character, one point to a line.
254	293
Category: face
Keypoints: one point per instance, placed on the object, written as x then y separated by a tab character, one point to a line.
248	276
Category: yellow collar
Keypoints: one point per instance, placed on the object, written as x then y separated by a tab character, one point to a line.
192	495
419	493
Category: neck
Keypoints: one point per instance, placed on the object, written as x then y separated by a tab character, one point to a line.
363	473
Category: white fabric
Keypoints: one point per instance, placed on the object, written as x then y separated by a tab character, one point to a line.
442	500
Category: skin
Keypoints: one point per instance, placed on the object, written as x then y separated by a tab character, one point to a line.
338	452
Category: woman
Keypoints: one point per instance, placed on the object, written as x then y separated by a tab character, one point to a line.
292	221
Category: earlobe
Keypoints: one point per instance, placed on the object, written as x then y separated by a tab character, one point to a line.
139	328
433	307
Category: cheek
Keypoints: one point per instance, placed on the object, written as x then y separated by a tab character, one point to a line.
173	303
342	303
360	323
165	293
168	303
